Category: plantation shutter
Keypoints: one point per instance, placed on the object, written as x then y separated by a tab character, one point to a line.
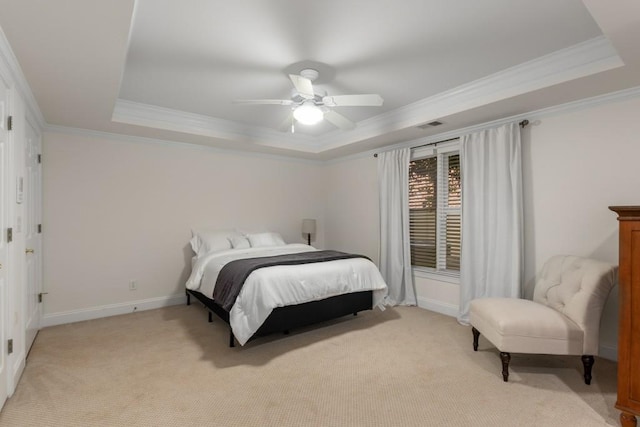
423	189
435	211
451	213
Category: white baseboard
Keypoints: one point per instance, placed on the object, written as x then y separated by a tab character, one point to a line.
608	352
110	310
61	318
438	306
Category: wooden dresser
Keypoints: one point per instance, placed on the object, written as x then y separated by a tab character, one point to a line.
629	333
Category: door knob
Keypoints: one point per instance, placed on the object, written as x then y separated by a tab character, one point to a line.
28	251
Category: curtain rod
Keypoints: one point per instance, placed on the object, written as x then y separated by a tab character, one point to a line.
522	125
430	143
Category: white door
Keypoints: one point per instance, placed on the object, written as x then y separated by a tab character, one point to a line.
16	274
32	206
4	203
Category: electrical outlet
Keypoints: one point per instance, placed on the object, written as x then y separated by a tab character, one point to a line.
133	285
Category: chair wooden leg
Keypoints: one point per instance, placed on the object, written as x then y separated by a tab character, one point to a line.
476	335
506	358
587	361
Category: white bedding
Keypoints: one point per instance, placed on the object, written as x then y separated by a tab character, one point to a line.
278	286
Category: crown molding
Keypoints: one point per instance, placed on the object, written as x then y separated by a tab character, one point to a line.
11	72
96	134
580	60
569	107
135	113
531	116
583	59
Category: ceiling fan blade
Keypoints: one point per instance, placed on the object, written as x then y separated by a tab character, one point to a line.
287	123
303	85
364	100
264	101
338	120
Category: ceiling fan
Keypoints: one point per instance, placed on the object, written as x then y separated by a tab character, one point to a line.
310	106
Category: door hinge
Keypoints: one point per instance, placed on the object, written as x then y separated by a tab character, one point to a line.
39	228
10	122
9	235
39	158
10	346
40	296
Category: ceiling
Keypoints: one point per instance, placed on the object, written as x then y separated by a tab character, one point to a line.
171	70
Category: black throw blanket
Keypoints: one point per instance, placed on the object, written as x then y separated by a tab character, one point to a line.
232	276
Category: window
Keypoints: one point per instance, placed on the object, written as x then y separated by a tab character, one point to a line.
435	207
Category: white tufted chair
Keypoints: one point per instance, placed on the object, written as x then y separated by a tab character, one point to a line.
563	318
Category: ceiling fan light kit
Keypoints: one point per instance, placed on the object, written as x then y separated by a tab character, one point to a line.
308	114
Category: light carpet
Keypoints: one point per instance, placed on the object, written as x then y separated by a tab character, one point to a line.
402	367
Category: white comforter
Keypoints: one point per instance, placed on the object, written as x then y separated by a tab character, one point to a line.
278	286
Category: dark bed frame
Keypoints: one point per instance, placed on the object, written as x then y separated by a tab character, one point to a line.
283	319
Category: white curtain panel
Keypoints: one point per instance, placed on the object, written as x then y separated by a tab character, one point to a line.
491	263
395	251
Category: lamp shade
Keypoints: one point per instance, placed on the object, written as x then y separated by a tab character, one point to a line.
308	226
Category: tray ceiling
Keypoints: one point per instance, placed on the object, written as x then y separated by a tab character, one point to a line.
171	70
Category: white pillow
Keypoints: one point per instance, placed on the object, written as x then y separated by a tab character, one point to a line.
206	241
240	242
261	240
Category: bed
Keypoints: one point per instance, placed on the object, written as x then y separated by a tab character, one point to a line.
281	286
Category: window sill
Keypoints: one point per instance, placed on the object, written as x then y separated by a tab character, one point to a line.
441	276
